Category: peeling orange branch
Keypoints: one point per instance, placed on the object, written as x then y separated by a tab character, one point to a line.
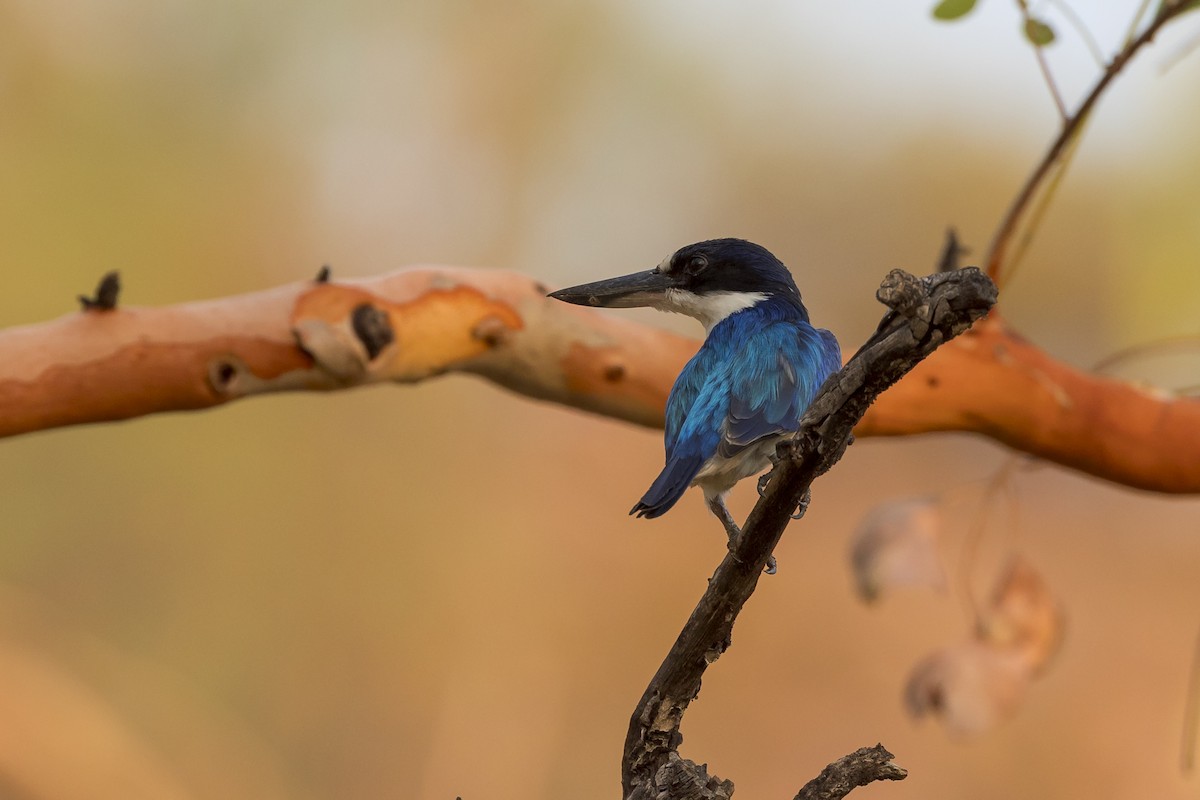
994	382
101	365
405	326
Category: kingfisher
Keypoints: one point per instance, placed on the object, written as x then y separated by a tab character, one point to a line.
760	366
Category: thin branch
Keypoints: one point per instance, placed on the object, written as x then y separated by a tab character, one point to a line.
925	314
973	538
1142	8
1076	22
1048	76
1181	52
1191	712
1040	55
1166	344
1071	128
952	252
107	292
1041	205
863	766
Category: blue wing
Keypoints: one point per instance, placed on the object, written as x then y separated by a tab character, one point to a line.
771	392
751	379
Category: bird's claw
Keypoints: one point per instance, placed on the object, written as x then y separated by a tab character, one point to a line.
803	506
771	567
763	480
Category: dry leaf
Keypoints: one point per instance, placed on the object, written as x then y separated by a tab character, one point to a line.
970	688
974	686
896	546
1023	615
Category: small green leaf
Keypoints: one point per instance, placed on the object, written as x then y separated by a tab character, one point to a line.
1038	33
1168	6
953	9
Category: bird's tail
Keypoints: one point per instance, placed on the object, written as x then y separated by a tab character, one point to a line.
668	487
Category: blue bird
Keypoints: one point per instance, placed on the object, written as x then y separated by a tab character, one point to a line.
760	366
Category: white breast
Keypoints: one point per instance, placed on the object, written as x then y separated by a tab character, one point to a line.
709	309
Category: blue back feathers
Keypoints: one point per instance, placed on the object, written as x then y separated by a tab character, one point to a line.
753	378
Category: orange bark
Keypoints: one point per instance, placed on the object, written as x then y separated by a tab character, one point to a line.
93	366
994	382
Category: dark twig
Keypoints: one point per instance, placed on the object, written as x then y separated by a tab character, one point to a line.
1071	128
863	766
107	292
323	274
952	252
925	313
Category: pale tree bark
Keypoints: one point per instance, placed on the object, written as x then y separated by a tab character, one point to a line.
102	364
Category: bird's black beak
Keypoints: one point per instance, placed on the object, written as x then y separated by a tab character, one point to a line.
639	289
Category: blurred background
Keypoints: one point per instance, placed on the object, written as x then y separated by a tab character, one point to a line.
435	591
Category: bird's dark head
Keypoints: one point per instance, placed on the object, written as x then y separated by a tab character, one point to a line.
707	280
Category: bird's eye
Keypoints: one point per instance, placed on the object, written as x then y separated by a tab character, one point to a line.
696	265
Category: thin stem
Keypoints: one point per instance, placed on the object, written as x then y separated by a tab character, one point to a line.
1143	7
970	546
1040	207
1071	128
1014	510
1181	52
1043	65
1185	341
1191	713
1076	22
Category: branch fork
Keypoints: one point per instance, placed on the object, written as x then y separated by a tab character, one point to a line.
924	313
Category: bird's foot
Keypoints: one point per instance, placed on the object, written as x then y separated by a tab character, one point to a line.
803	507
763	480
733	531
771	564
717	506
